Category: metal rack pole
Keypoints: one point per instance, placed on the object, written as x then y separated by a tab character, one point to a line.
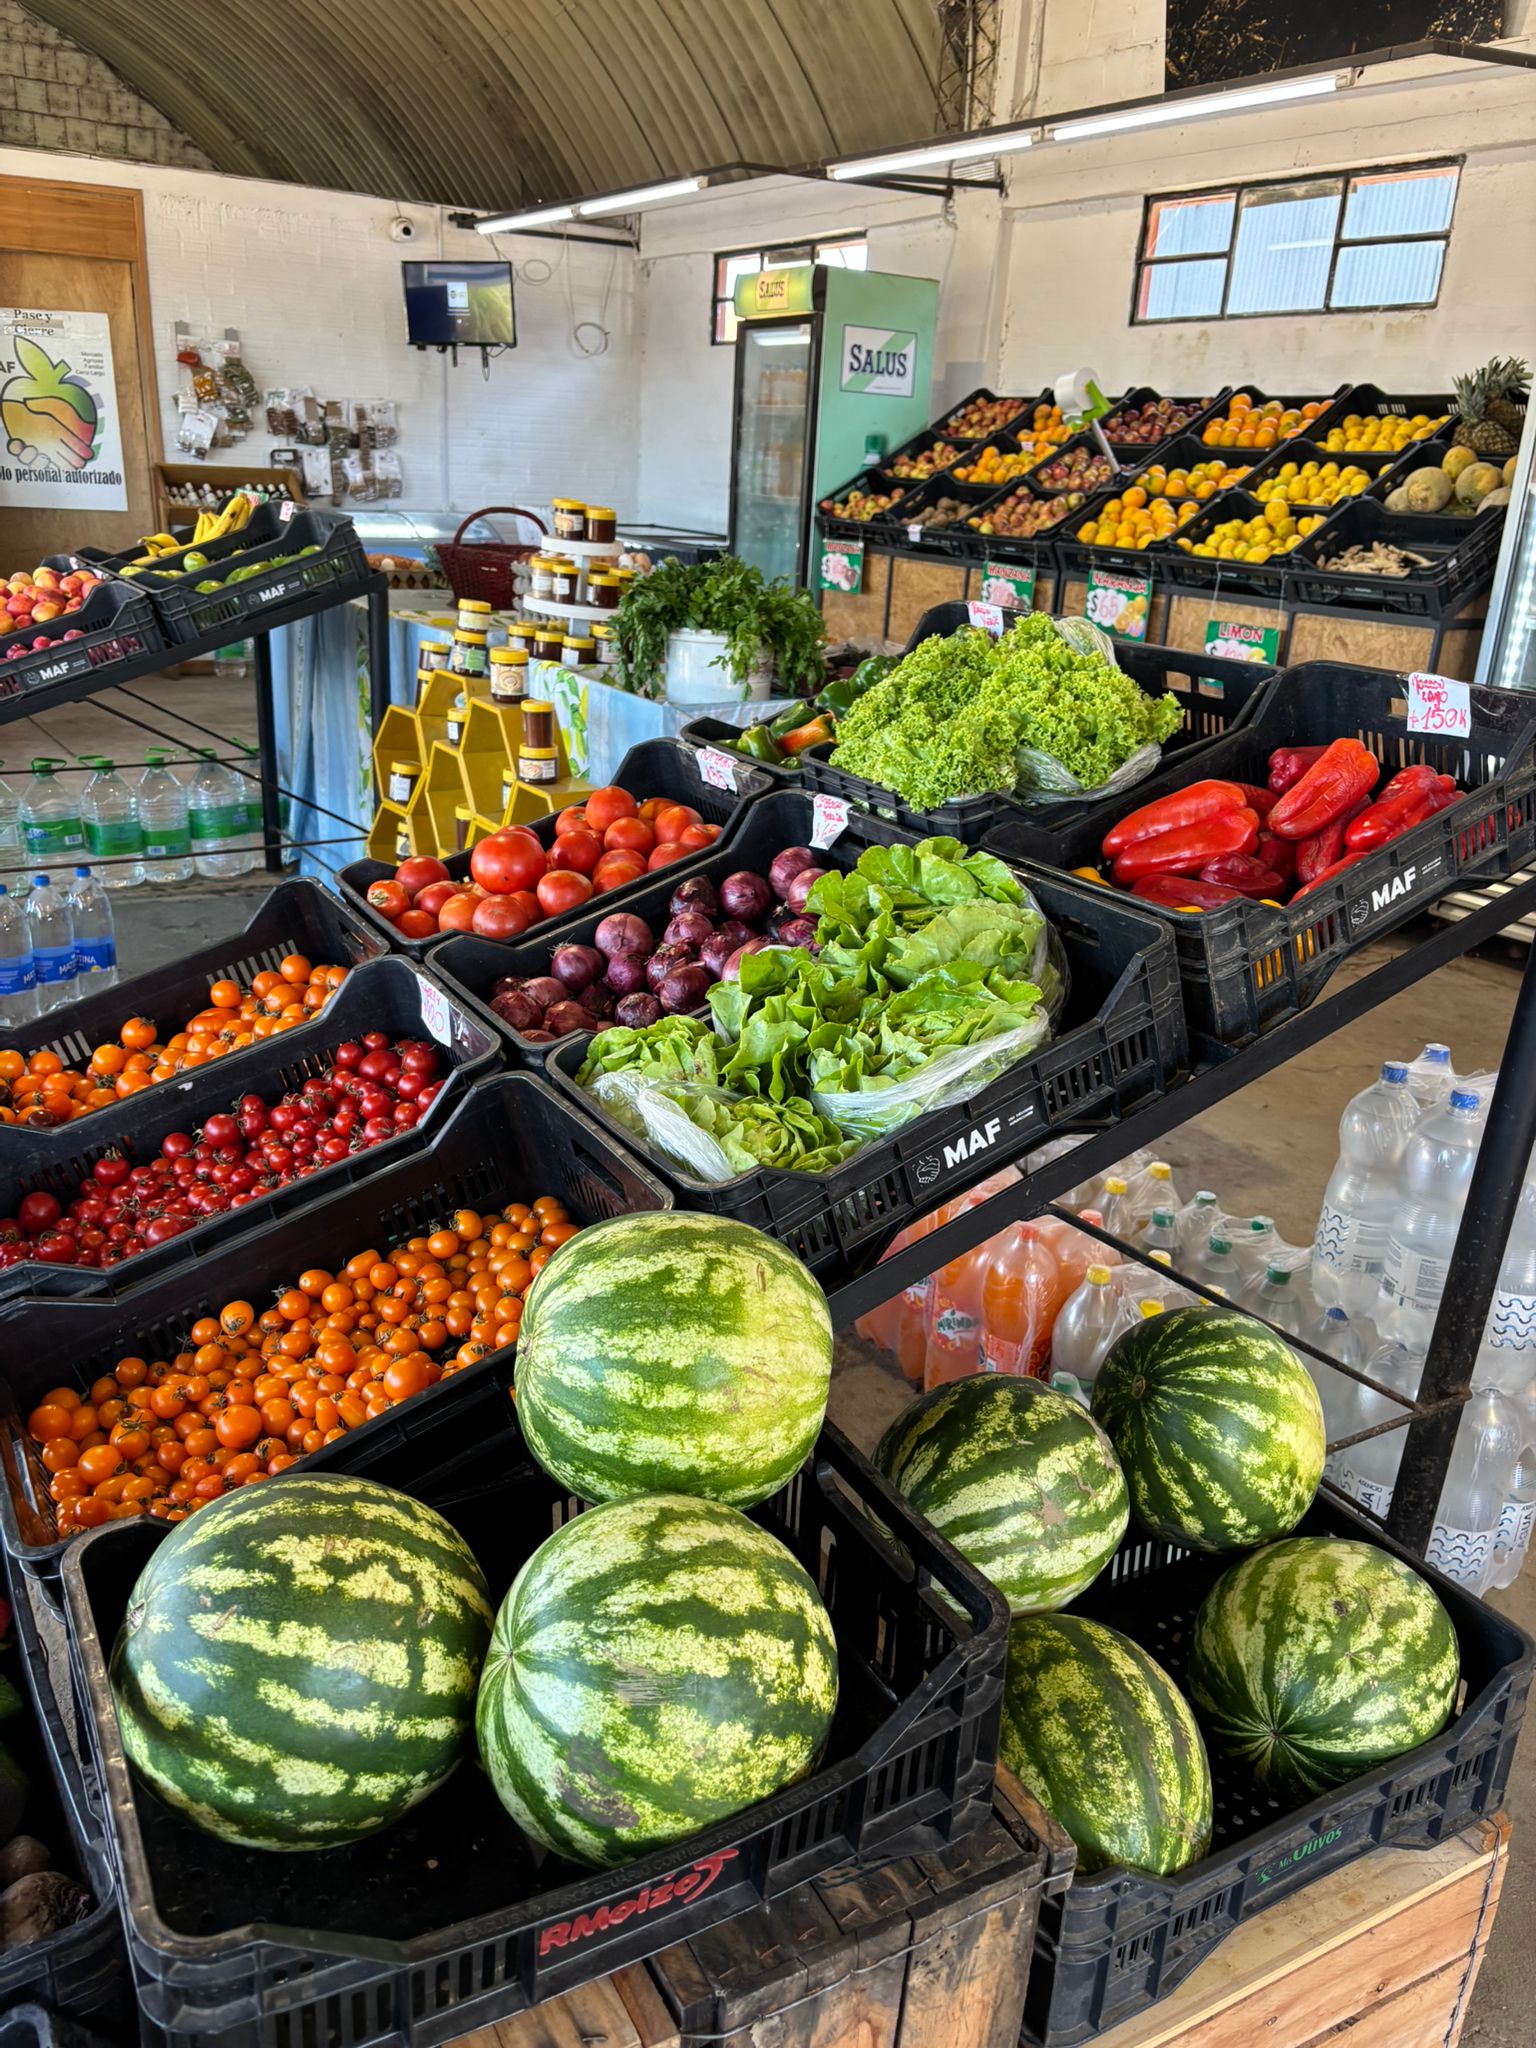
378	652
266	741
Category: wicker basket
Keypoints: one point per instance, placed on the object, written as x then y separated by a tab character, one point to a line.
483	568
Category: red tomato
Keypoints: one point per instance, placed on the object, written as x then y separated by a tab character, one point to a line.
435	895
458	913
414	874
698	836
653	807
560	891
504	917
629	835
665	855
603	806
508	860
572	820
673	822
580	850
416	924
615	869
389	899
529	901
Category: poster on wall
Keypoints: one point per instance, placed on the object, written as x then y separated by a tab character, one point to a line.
1212	40
63	441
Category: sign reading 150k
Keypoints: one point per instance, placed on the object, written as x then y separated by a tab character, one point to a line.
879	360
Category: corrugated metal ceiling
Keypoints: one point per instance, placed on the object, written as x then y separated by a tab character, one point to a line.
499	103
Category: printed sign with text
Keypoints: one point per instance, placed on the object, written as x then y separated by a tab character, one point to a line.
1238	640
880	361
1119	603
841	566
1439	704
1009	584
61	442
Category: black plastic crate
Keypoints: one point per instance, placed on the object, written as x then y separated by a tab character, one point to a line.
1050	489
450	1920
897	527
1043	549
80	1973
1145	394
872	480
919	444
1461	553
1218	695
943	430
1366	399
1120	1042
388	995
1270	580
1121	1939
509	1138
1183	452
1244	966
1302	450
661	767
467	966
33	2026
723	736
1332	403
276	528
116	623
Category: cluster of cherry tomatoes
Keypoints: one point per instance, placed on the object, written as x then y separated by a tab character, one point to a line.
253	1391
40	1091
515	881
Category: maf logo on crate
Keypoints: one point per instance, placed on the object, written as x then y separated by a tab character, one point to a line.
954	1153
1396	890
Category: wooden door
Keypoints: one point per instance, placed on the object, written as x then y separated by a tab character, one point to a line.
80	248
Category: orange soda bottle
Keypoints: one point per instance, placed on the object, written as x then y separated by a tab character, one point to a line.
1021	1295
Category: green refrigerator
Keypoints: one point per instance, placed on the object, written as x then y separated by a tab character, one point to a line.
826	361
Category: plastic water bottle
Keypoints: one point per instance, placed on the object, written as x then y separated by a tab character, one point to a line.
109	815
18	976
162	807
1154	1286
1339	1338
1162	1233
1216	1266
249	779
1087	1326
1431	1077
90	912
1517	1518
1277	1300
1368	1470
51	830
1349	1247
1256	1244
53	945
1484	1459
216	814
1436	1170
11	872
1119	1215
1164	1193
1197	1219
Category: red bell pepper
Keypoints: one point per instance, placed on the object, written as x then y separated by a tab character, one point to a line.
1185	892
1287	765
1261	800
1325	847
1328	874
1245	873
1191	806
1279	855
1408	799
1331	786
1186	851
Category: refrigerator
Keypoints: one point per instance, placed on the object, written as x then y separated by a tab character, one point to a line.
833	369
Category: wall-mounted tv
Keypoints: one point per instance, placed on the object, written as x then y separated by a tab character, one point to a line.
459	305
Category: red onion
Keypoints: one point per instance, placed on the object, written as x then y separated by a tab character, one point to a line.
663	961
577	966
513	1007
801	887
622	932
637	1011
597	998
787	865
733	965
562	1017
746	896
539	1037
543	989
626	973
717	949
689	928
684	989
697	893
797	931
734	930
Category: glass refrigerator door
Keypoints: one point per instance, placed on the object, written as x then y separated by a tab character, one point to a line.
772	447
1508	659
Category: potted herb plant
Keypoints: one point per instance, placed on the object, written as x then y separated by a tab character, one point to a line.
722	616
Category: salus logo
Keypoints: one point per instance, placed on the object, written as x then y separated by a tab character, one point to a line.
879	361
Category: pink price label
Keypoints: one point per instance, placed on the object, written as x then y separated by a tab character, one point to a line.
286	511
435	1015
914	534
1439	704
988	616
829	819
717	769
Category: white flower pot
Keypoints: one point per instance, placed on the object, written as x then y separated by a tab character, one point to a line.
696	671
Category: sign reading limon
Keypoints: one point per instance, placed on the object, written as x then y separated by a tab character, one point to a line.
763	293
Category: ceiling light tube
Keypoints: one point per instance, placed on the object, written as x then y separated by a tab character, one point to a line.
509	223
934	153
643	195
1167	112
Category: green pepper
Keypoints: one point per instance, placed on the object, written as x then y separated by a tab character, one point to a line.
843	694
759	744
791	716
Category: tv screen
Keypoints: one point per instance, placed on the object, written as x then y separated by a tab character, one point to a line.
465	305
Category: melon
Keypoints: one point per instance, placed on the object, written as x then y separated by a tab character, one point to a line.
1476	481
1104	1739
668	1353
1318	1659
298	1663
1019	1478
1428	490
659	1664
1456	459
1217	1426
1397	501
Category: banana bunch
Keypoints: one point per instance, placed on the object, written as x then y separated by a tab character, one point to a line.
160	548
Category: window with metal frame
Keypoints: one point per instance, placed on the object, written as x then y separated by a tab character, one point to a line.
846	252
1350	242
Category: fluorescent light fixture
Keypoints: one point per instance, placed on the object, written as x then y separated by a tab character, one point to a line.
643	195
1167	112
1003	144
783	339
509	223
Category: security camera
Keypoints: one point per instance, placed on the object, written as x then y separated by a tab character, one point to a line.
401	229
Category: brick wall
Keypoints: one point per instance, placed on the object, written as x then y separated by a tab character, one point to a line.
54	95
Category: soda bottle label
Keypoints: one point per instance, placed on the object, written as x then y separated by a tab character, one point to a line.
44	838
105	836
17	976
169	842
1512	1322
94	956
953	1328
1000	1354
1462	1554
54	963
218	821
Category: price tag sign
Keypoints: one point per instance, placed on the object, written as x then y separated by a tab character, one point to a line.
436	1016
717	769
841	566
286	510
914	534
1008	584
1439	704
988	616
829	819
1120	604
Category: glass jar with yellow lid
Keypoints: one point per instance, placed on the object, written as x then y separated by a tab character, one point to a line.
541	570
403	776
570	519
567	575
538	758
578	650
463	825
523	633
607	645
474	615
509	674
602	522
550	642
470	654
603	590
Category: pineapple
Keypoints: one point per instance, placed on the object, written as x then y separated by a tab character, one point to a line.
1476	429
1507	405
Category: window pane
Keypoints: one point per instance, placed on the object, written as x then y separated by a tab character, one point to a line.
745	264
726	322
843	255
1401	203
1190	227
1181	291
1284	247
1388	274
787	255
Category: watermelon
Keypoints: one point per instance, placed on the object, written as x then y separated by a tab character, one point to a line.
1318	1659
659	1664
1217	1425
665	1353
1102	1736
298	1662
1020	1479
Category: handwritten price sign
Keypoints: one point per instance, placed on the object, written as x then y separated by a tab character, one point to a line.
717	769
1439	704
829	819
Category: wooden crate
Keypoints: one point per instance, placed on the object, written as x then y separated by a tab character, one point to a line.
917	585
860	614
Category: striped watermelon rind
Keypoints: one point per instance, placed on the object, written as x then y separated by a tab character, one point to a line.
1105	1740
298	1662
659	1664
1019	1478
1319	1659
1218	1428
672	1353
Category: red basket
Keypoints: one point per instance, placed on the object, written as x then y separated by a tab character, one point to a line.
483	568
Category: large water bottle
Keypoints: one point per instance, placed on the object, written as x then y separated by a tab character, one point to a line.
249	778
90	913
1431	1077
1368	1470
52	933
1278	1301
1509	1335
12	873
1197	1219
162	807
110	819
1484	1459
18	976
1087	1325
1517	1519
1216	1265
51	830
216	814
1117	1208
1349	1247
1162	1233
1164	1194
1436	1171
1336	1335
